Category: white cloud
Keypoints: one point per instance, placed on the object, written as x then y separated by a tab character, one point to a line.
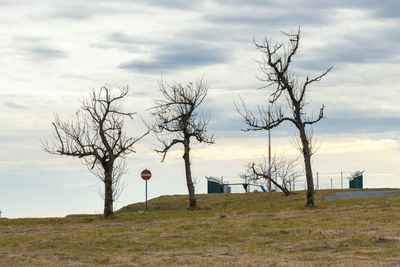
359	145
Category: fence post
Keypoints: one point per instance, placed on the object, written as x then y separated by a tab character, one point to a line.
341	177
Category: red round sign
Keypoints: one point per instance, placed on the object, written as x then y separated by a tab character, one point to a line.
146	174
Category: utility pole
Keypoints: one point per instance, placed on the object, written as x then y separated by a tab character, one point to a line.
341	178
269	148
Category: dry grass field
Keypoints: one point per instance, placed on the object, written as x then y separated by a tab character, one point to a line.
254	229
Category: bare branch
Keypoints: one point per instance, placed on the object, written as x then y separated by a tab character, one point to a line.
283	173
261	122
309	81
320	116
177	113
97	137
167	147
276	69
178	118
262	174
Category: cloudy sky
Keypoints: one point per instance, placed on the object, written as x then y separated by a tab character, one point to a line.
54	52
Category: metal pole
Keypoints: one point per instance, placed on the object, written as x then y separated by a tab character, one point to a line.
317	181
269	149
146	195
341	178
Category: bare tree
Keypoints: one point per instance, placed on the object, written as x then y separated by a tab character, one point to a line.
178	119
285	170
96	137
284	173
256	172
289	92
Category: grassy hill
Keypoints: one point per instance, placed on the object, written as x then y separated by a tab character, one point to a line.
254	229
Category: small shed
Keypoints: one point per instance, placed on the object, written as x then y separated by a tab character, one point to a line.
356	180
216	185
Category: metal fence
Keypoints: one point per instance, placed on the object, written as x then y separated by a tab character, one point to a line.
326	180
322	180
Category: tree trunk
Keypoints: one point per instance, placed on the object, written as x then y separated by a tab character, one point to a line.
260	174
307	164
189	181
108	194
282	188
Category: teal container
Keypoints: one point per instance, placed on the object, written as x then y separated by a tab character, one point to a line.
214	185
356	182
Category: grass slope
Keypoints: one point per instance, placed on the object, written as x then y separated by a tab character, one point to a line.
255	229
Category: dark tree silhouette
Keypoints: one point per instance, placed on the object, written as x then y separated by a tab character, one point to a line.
178	118
96	137
290	92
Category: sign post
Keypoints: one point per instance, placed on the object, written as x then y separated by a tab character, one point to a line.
146	175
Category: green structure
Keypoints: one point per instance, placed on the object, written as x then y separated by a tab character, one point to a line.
356	180
216	185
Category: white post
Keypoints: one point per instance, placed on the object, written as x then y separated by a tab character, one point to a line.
341	177
146	195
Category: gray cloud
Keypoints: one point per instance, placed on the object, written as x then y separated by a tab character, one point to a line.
187	50
354	124
122	38
36	48
175	57
126	42
331	125
271	18
42	53
388	8
235	24
174	4
392	12
133	44
363	47
71	13
13	105
84	10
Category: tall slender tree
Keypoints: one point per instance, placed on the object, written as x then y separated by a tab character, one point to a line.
289	93
178	119
97	137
